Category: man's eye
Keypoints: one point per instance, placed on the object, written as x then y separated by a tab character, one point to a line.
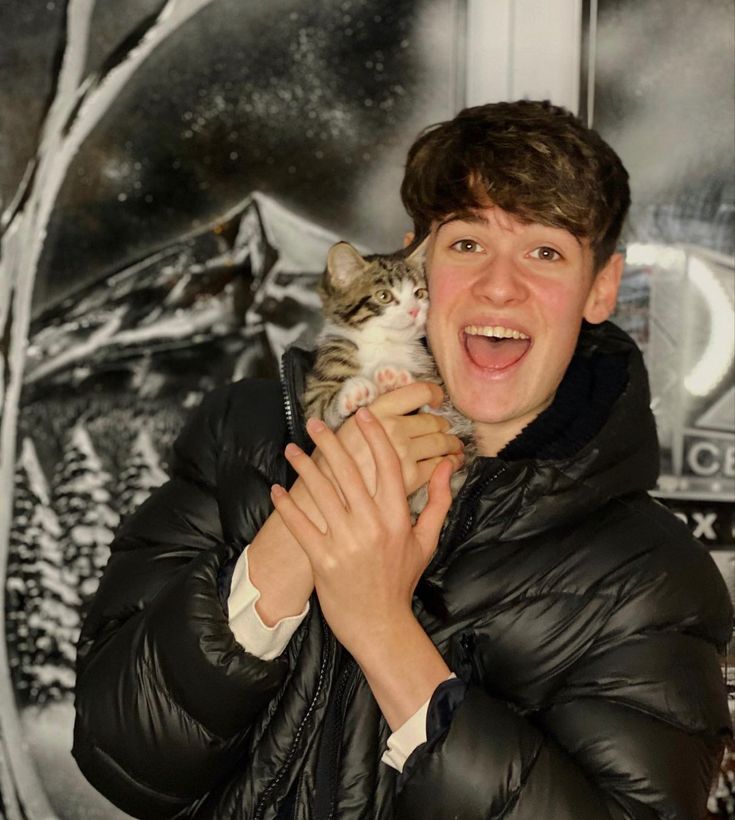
546	254
467	246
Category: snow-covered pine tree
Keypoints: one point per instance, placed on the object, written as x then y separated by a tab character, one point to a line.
141	474
41	613
83	504
80	102
21	580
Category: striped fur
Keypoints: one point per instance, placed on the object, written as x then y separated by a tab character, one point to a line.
369	327
375	318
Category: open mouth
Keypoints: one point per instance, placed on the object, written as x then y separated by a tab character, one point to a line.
495	347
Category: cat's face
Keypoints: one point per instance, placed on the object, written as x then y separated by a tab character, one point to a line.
401	306
385	293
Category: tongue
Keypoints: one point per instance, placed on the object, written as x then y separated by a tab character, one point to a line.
495	354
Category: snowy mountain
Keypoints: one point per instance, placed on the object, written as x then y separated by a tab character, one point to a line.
217	304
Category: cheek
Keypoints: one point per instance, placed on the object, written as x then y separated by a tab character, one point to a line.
443	290
562	301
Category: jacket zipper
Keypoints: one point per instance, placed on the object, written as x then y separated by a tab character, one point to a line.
470	503
287	405
465	500
260	808
346	684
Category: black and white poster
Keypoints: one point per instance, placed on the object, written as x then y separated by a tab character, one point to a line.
661	90
172	173
664	97
171	177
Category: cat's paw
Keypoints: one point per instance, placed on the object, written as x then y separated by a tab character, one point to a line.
354	393
389	378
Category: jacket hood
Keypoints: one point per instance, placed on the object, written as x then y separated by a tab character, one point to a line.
596	441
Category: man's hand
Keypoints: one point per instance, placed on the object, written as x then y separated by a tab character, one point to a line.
367	559
278	566
420	440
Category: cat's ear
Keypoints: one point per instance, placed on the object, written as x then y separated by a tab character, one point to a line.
418	254
344	264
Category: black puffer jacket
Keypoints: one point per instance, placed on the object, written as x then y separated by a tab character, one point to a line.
582	615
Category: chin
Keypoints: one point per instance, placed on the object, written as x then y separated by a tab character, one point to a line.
487	409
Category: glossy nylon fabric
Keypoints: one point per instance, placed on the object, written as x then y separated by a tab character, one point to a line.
584	618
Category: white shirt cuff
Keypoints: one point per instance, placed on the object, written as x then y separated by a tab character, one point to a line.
408	737
265	642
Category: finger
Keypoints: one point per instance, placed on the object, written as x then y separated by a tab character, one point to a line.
413	425
342	466
429	524
297	522
322	464
433	445
425	469
406	399
320	488
387	464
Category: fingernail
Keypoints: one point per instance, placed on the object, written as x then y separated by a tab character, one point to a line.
277	491
293	450
315	425
365	414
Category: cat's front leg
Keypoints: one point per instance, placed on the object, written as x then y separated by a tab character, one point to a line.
355	392
389	378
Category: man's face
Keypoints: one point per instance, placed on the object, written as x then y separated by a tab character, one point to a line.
491	275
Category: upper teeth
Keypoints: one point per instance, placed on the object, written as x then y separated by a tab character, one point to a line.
497	331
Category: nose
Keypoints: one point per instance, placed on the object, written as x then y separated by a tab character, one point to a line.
500	282
413	312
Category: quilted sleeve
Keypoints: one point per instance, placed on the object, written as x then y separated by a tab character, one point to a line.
633	732
165	695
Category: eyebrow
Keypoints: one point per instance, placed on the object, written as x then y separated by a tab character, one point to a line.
463	216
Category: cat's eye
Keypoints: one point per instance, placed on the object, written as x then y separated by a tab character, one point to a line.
384	296
421	293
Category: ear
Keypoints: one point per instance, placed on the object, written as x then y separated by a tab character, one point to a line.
419	254
603	295
344	264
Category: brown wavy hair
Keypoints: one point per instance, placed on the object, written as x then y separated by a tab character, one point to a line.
533	159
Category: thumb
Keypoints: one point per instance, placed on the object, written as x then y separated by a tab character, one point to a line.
430	521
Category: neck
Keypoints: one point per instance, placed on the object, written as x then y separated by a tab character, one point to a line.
491	438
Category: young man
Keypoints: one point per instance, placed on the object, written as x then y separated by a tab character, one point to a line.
544	646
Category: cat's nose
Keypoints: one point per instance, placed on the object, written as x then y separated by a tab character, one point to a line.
414	312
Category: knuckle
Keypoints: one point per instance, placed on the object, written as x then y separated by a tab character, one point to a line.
398	442
455	444
390	426
373	531
402	451
327	563
426	391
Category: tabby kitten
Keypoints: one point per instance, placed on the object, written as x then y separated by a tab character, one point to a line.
375	318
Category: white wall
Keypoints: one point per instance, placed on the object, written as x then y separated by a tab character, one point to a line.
524	48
